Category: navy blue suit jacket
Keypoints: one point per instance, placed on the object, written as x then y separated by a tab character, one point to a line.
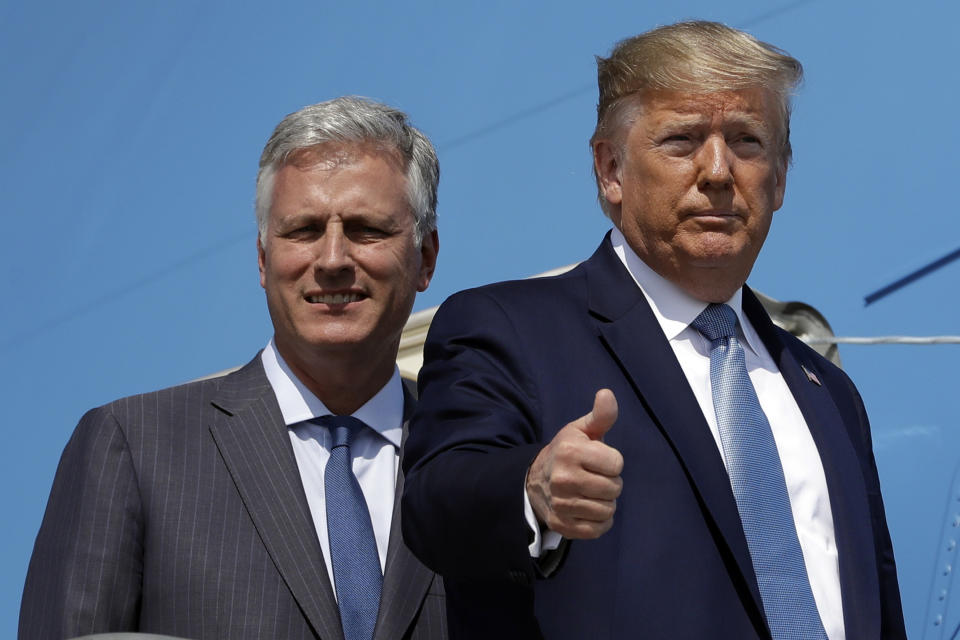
508	365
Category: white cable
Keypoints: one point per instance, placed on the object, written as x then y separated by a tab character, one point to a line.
882	340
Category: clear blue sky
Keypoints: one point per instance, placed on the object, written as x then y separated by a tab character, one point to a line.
130	136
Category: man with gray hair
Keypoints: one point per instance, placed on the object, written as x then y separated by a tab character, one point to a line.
637	431
262	504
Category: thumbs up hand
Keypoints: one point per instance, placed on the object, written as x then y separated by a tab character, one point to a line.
574	481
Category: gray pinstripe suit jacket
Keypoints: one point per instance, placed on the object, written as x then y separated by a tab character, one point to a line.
182	512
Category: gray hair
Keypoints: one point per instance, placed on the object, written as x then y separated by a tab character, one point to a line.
695	57
352	119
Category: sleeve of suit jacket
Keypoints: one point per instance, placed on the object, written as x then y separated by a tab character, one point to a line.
85	572
475	433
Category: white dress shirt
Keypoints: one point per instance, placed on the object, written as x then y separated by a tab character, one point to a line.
375	450
803	471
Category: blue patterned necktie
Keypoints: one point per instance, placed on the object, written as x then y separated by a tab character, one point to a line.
756	477
353	547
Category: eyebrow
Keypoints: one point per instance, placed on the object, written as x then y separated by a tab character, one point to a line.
742	118
298	217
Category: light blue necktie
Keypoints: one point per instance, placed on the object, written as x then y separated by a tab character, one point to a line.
756	477
353	547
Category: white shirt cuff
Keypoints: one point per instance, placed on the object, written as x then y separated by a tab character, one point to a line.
542	541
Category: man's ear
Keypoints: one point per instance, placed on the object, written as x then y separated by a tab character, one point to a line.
781	187
429	248
606	162
261	263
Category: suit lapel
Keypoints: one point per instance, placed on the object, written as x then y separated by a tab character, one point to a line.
406	580
634	338
252	438
845	484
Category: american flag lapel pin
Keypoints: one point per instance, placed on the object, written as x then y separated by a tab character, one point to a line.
811	376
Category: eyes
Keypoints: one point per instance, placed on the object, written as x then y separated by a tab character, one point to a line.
682	143
355	231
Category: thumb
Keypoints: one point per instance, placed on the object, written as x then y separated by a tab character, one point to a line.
601	418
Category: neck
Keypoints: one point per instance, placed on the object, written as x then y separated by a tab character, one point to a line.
707	289
342	383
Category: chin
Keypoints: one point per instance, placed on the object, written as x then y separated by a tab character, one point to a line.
315	339
720	251
335	340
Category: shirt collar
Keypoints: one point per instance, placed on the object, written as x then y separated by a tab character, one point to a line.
383	412
673	307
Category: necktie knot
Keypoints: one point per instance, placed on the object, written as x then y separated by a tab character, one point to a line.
343	429
715	322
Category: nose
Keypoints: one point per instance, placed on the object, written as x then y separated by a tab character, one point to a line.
715	164
332	251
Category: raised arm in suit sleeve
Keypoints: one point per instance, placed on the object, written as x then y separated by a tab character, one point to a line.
85	572
476	431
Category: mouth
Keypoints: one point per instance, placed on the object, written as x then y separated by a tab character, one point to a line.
715	213
335	298
714	216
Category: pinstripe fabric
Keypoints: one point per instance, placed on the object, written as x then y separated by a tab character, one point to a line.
181	512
